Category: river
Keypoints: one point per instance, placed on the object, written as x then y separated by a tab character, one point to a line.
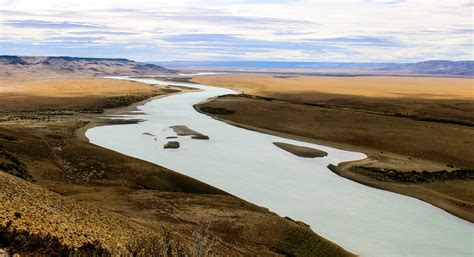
363	220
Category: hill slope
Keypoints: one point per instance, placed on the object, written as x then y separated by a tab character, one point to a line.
18	66
34	218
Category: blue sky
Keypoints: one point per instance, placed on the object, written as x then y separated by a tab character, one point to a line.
272	30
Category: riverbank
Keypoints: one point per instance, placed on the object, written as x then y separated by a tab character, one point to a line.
395	144
47	145
249	165
447	100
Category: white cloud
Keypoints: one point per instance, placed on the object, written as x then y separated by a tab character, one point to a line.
351	30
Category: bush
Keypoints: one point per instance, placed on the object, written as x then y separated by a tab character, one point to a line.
201	245
153	245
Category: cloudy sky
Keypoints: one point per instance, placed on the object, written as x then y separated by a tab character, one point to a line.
279	30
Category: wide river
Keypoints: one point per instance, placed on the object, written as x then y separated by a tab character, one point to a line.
363	220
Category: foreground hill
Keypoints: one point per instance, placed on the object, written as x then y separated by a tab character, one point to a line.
36	220
19	66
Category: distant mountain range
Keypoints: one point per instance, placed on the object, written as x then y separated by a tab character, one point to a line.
460	68
14	66
435	67
64	65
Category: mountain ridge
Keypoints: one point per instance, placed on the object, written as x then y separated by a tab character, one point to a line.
16	66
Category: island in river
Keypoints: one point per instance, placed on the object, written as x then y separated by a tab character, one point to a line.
301	151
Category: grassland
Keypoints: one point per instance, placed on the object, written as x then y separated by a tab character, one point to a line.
417	132
439	99
84	93
42	127
367	86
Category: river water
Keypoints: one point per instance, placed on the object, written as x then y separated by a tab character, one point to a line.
363	220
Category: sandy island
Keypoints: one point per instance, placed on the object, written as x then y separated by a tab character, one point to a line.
182	130
301	151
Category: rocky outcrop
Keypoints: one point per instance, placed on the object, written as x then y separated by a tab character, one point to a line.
171	145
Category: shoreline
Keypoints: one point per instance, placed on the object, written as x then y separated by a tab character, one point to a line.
342	168
97	120
424	195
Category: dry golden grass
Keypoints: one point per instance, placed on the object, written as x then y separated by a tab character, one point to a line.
66	93
369	86
72	88
427	98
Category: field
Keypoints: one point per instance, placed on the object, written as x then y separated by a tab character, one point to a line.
42	127
449	99
368	86
418	141
84	93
